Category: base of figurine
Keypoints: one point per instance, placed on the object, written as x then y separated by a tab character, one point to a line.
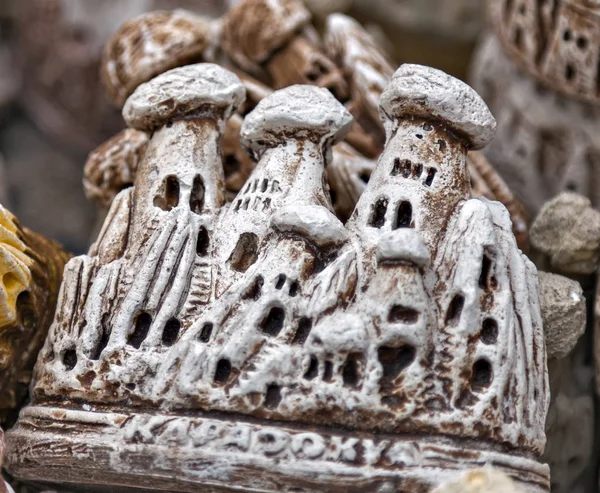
94	450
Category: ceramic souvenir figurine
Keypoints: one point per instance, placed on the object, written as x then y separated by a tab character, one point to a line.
347	61
261	345
31	271
538	71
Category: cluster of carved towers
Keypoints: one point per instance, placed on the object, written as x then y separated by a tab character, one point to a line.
404	320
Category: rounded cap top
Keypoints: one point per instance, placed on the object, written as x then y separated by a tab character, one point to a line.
418	91
183	91
299	111
151	44
254	29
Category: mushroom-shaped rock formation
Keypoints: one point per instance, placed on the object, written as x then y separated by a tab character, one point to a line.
297	112
290	132
547	103
254	29
151	44
261	346
274	41
419	92
183	92
557	44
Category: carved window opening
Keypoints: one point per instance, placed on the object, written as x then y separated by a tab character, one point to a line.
25	309
69	359
280	281
417	171
489	331
223	371
378	212
455	310
273	322
431	172
487	280
570	72
518	38
316	71
230	164
328	373
171	332
202	242
273	396
402	167
104	338
404	215
582	43
313	369
351	370
303	330
395	359
206	332
264	185
403	314
255	290
294	288
140	330
482	375
197	195
245	252
168	198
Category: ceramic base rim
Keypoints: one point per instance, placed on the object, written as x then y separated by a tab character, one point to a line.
167	452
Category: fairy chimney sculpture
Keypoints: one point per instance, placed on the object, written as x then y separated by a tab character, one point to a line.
262	345
538	71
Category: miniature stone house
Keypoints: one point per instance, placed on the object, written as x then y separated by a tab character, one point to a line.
261	344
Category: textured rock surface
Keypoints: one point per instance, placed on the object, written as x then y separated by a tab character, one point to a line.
567	230
187	303
563	313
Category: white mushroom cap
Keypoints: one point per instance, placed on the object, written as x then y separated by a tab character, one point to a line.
418	91
403	245
296	112
184	91
151	44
